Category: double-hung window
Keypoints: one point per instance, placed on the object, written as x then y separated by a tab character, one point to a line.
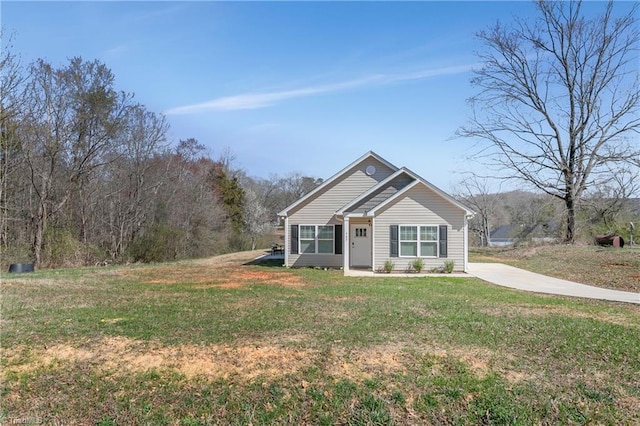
418	241
316	239
307	239
409	241
325	239
429	241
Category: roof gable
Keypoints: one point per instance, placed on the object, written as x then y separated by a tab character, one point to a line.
329	182
416	180
380	192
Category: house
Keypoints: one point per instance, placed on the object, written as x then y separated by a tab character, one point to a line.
504	235
540	233
371	212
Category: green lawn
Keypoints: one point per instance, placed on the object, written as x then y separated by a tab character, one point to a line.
194	343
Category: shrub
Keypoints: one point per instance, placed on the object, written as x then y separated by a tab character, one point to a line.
417	264
159	244
62	249
388	266
449	265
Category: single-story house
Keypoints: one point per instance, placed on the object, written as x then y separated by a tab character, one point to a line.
371	212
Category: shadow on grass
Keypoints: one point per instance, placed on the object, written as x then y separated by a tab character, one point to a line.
269	260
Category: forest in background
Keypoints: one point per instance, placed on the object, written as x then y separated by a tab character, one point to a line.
88	176
536	218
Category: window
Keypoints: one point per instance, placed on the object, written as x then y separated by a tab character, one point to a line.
307	239
316	239
418	241
429	241
325	239
408	241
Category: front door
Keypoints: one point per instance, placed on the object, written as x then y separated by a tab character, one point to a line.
360	237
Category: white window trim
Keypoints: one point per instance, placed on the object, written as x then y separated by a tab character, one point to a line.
316	239
418	241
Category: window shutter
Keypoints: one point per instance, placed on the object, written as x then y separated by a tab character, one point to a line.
393	241
294	239
443	240
337	239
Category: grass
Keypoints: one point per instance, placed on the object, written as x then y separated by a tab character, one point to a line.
606	267
195	343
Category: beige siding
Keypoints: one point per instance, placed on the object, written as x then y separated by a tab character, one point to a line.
419	206
320	209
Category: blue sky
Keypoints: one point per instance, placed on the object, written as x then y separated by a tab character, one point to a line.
288	86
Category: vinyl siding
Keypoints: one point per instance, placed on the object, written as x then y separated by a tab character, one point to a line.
320	209
419	206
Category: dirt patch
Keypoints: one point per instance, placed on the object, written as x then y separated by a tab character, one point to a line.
535	310
229	259
394	358
241	278
365	363
476	359
247	361
615	265
121	354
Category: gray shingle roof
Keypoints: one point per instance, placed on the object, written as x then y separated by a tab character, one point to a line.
381	194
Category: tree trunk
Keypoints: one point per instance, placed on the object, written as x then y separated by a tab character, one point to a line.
486	241
38	237
570	231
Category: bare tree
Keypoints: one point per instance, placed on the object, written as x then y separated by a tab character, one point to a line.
71	120
11	99
609	201
559	99
475	191
257	219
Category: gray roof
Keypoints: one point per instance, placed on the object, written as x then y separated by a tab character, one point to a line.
381	194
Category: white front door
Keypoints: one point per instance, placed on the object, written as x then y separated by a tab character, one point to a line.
360	240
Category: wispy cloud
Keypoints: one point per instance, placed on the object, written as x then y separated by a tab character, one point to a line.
266	99
117	51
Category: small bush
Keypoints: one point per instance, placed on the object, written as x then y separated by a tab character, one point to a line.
449	265
159	244
62	249
418	264
388	266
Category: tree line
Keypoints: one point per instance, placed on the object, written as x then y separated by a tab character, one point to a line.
536	216
88	176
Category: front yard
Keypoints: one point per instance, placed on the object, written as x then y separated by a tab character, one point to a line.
205	342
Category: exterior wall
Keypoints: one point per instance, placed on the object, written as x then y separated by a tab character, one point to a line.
321	208
420	206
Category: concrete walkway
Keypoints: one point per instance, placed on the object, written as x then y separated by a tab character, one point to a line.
509	276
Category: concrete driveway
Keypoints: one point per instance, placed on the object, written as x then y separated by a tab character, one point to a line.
508	276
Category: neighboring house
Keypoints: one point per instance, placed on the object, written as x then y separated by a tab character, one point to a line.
370	212
507	235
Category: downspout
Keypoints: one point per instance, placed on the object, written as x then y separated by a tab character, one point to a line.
466	243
